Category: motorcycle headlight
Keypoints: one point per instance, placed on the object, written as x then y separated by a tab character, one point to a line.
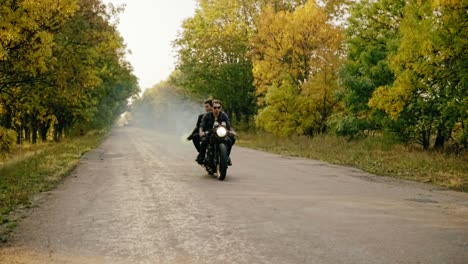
221	131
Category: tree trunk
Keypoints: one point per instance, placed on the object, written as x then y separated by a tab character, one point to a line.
27	134
440	138
465	136
34	135
58	132
43	131
425	139
19	138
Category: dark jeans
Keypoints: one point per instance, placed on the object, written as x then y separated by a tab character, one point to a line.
196	141
233	141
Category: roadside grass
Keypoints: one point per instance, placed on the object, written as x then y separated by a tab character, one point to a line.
377	154
38	168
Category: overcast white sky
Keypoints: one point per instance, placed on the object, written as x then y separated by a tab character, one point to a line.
149	27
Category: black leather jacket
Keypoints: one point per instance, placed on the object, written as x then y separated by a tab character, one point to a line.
196	130
209	119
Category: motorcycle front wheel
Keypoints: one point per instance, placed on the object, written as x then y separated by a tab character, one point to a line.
221	167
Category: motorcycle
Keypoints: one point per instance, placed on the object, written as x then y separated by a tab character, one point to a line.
216	160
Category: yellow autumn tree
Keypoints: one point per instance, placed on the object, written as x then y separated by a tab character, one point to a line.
295	56
429	95
26	37
62	67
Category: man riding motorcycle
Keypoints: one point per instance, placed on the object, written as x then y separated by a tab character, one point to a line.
207	124
195	136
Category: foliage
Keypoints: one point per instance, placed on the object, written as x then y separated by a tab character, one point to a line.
295	57
348	126
282	115
7	140
61	68
211	55
430	91
213	52
371	38
27	32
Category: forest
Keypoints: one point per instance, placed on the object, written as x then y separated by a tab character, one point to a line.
350	68
287	67
62	69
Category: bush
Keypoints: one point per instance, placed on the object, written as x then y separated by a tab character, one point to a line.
7	140
349	126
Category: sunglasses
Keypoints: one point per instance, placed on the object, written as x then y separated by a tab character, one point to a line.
217	107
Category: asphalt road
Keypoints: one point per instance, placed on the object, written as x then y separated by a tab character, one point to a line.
141	198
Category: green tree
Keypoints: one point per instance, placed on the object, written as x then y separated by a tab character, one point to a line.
27	30
211	55
429	94
63	67
372	36
212	51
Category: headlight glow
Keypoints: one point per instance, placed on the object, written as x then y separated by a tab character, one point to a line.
221	131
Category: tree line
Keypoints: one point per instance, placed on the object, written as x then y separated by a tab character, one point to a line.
62	68
350	67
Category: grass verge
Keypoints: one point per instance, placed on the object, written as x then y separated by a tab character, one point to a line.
39	168
377	154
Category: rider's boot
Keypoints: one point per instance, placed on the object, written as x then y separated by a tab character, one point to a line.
199	159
